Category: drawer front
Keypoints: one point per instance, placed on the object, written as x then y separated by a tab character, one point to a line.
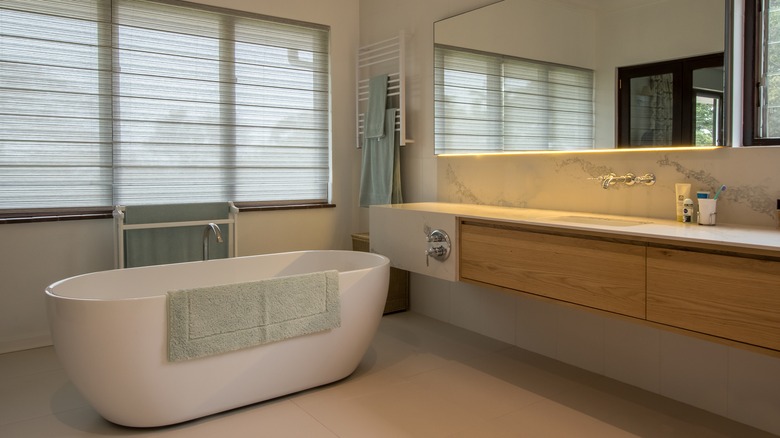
734	298
595	273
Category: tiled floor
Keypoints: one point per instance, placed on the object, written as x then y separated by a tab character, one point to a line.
420	378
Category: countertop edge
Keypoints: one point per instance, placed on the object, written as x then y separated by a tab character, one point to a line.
765	240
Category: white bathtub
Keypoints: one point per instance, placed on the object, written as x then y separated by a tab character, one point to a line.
110	332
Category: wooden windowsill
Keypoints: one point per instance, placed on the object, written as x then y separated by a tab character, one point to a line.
70	214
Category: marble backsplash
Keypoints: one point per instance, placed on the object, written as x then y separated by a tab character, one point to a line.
563	181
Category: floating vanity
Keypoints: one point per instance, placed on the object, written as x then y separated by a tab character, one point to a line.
720	282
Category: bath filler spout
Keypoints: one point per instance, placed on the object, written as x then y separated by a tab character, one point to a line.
211	227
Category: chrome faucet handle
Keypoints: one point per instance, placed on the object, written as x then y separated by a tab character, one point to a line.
628	179
647	179
439	246
603	177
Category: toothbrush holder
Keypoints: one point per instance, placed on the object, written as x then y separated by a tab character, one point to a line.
708	210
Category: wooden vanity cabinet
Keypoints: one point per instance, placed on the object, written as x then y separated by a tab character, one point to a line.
728	296
590	271
725	293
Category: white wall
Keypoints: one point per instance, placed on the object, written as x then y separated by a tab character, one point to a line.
36	254
541	30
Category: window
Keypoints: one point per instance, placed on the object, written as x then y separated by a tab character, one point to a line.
762	73
145	102
487	102
671	103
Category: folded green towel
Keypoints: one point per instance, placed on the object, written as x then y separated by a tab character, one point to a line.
377	100
218	319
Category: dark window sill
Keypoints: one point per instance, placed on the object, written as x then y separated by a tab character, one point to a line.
53	215
57	215
260	206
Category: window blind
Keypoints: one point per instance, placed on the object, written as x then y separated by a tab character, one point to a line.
55	104
169	103
486	102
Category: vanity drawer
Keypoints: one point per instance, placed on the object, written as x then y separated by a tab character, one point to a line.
591	272
731	297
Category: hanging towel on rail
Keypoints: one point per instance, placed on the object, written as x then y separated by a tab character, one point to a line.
158	246
380	176
377	101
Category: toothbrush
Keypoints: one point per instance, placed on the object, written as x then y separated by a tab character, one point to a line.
722	188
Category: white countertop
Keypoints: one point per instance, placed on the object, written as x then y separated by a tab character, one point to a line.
739	236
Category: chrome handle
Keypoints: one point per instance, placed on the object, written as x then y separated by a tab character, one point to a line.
647	179
439	246
628	179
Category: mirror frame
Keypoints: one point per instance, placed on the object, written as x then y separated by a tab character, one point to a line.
728	86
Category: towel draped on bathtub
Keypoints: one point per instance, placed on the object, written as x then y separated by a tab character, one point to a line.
218	319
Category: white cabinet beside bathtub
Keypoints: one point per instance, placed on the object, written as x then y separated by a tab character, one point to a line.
400	235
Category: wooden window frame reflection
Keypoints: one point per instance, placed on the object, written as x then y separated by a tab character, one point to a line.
683	97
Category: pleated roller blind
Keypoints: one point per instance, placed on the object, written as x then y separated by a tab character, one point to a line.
55	104
183	104
486	103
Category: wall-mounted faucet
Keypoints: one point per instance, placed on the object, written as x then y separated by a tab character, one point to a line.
628	179
211	227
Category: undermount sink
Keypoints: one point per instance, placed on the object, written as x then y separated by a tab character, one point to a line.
590	220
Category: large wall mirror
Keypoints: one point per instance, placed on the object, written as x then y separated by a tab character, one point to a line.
487	51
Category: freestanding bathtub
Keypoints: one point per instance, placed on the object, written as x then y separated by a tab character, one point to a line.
110	332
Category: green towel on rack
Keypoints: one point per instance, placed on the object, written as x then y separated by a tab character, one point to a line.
159	246
380	176
377	100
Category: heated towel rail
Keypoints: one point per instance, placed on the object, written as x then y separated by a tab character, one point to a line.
384	57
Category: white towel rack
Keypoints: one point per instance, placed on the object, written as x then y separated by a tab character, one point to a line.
384	57
120	226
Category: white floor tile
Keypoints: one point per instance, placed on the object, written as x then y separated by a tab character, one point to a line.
420	378
36	395
21	363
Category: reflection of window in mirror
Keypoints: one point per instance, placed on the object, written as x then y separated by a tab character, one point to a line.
707	120
486	102
762	73
671	103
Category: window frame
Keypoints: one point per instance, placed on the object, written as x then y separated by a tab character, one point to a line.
753	54
683	105
35	214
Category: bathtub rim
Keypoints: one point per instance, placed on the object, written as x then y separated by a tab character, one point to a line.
381	260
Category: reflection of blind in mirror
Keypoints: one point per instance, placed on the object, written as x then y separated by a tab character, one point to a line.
486	103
